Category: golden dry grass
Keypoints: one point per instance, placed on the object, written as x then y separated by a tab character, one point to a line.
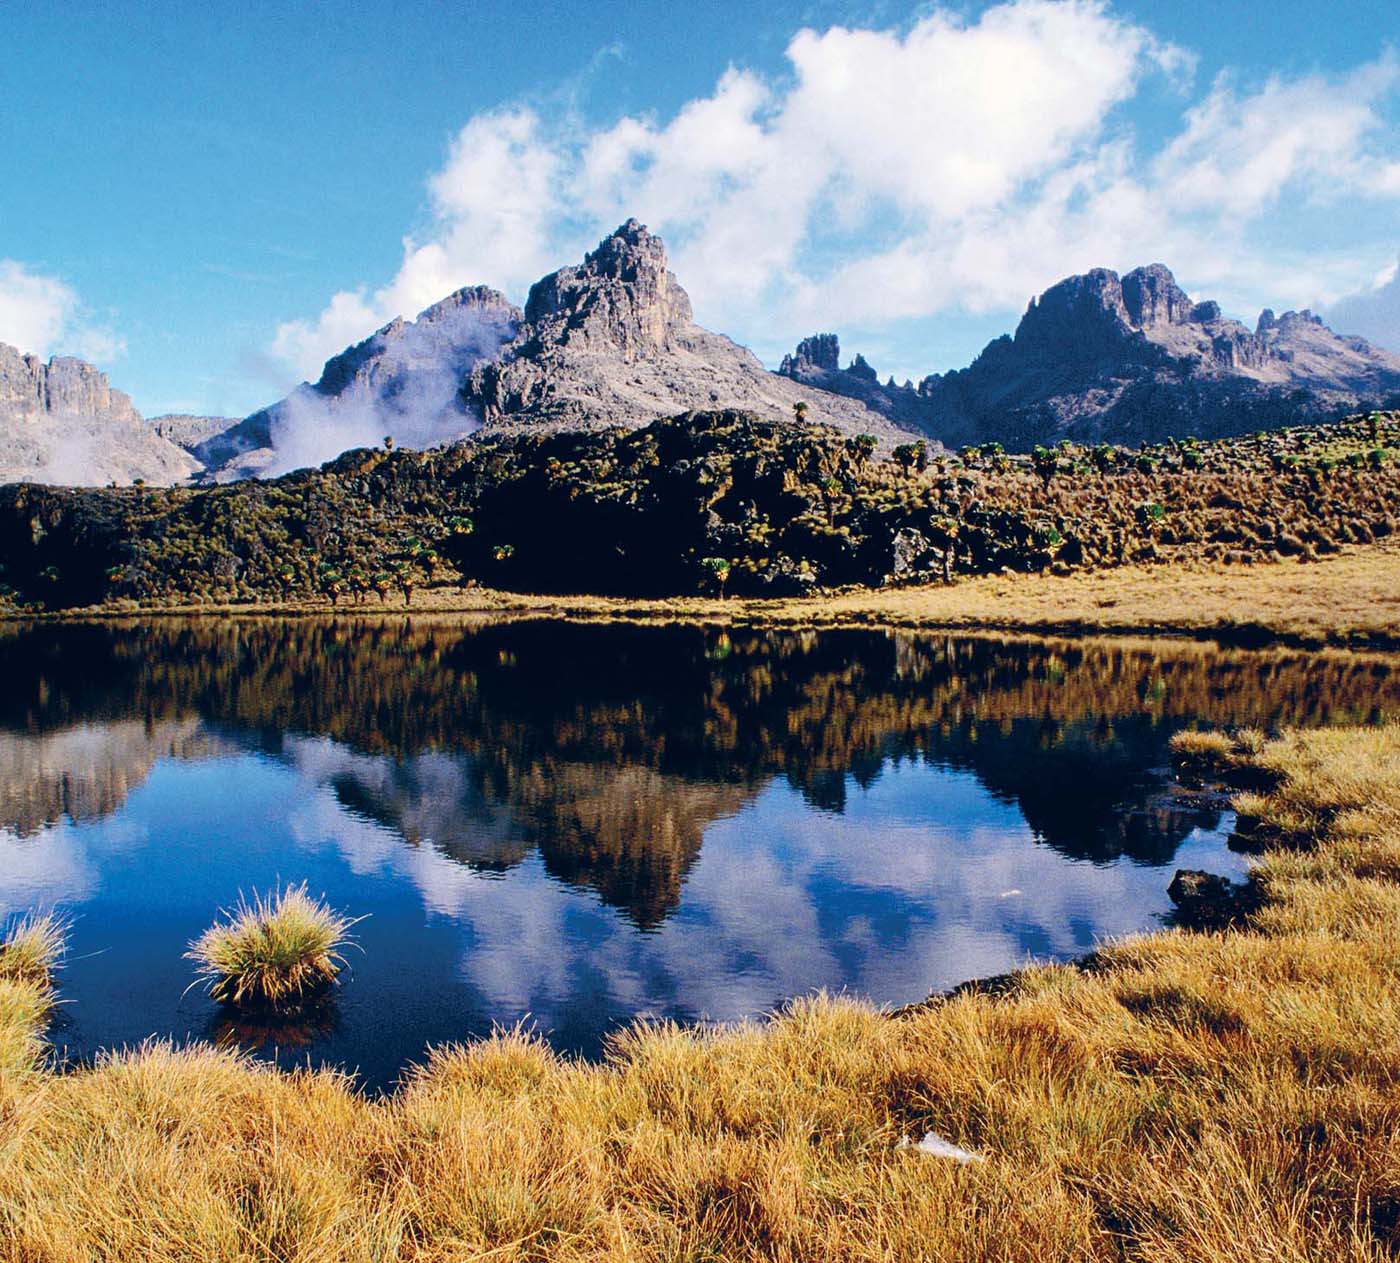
1352	598
31	947
275	950
1183	1098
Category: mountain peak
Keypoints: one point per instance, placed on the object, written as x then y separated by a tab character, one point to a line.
1151	296
622	297
461	329
62	422
612	341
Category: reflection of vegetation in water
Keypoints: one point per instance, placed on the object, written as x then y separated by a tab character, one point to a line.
252	1029
611	748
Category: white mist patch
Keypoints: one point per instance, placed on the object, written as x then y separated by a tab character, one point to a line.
404	382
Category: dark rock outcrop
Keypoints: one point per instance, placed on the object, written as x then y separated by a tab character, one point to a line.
822	351
62	423
816	364
1208	901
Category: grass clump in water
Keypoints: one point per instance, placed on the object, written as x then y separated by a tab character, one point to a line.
277	950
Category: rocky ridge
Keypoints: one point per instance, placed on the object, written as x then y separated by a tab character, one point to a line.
62	423
1131	359
613	342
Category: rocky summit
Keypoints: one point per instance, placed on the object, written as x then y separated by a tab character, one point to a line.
1131	359
613	342
62	423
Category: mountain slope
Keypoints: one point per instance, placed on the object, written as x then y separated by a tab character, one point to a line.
404	381
62	423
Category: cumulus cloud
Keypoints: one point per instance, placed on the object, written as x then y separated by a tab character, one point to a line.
952	164
494	208
43	316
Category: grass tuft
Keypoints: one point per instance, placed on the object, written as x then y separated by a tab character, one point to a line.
278	949
31	949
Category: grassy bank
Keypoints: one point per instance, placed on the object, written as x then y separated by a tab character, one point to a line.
1228	1096
1349	599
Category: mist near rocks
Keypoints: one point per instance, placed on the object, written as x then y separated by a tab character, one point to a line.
404	382
1373	314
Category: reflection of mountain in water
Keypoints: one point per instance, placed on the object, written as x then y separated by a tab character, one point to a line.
629	832
612	749
86	771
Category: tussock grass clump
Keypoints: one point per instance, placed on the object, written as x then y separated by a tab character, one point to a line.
278	949
1218	753
1202	749
31	948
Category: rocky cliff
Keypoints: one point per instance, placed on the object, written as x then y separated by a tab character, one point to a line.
62	423
188	430
612	342
1103	358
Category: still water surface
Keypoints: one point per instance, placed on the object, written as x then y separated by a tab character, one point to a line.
574	825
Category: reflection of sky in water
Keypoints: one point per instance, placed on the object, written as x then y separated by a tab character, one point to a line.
925	878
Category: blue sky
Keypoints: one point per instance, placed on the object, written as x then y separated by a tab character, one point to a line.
208	200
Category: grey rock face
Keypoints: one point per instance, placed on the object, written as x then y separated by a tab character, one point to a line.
62	423
1099	358
612	342
186	430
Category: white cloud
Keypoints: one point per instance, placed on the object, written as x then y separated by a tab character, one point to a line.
893	175
43	316
1239	152
493	210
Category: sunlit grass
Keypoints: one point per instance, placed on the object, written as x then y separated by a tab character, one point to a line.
31	948
1190	1098
280	947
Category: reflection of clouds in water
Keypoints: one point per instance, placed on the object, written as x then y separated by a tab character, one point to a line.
521	931
905	892
62	863
429	799
948	920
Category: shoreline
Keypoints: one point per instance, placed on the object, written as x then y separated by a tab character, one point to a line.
1349	600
